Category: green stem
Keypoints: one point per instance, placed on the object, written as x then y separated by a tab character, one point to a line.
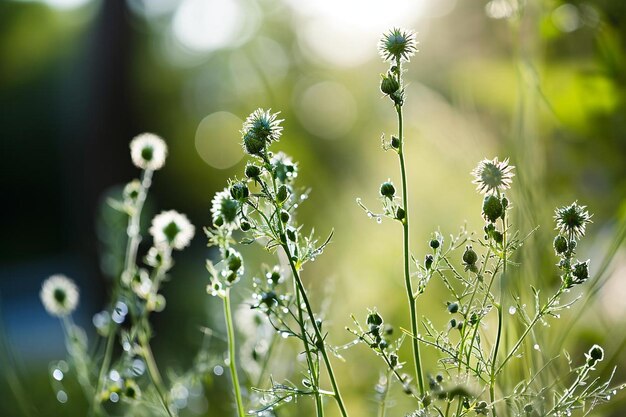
155	376
313	370
492	380
382	409
232	364
321	345
134	238
407	259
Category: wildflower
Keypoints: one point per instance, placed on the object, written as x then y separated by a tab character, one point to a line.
387	190
283	167
59	295
224	209
434	243
131	190
259	130
493	176
171	229
148	151
398	44
572	220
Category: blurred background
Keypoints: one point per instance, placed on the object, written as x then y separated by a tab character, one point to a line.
540	81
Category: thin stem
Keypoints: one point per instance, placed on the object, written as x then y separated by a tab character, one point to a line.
232	364
407	259
492	381
318	334
134	238
155	376
382	409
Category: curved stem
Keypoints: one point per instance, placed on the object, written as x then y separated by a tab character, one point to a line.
232	364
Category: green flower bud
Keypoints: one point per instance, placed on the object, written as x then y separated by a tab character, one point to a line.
400	214
459	326
388	84
252	171
254	144
452	323
492	208
383	344
373	318
434	243
234	261
393	360
291	235
284	216
245	226
469	256
498	237
395	142
387	190
439	378
560	244
595	354
528	408
239	191
581	271
269	298
282	194
453	307
428	261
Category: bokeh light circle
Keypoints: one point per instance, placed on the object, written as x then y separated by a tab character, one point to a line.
217	140
327	110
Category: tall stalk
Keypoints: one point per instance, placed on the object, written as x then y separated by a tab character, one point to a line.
405	243
232	362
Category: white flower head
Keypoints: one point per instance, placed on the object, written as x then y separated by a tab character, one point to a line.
493	176
59	295
172	230
225	209
148	151
572	220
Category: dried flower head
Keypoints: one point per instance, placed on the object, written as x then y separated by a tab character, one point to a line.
493	176
59	295
572	220
260	129
148	151
171	229
398	44
224	209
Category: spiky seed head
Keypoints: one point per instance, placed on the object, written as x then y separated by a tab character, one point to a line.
572	220
492	176
397	44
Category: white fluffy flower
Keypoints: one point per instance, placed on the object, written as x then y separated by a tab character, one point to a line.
148	151
59	295
171	229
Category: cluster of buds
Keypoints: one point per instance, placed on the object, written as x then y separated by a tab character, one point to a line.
571	222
